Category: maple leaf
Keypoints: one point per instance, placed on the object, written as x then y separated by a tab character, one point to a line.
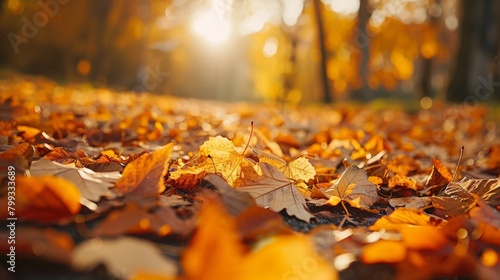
297	169
353	187
228	162
46	199
273	189
92	185
216	155
144	175
123	257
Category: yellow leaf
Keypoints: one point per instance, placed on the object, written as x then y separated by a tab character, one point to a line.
227	161
292	257
298	169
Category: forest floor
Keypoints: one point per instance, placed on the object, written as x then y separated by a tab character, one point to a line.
98	184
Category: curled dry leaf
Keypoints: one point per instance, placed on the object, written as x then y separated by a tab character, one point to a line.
353	187
46	199
273	189
144	175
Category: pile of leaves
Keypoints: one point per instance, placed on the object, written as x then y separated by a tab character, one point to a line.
136	186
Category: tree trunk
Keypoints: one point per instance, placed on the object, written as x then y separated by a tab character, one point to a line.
425	89
327	94
362	41
470	83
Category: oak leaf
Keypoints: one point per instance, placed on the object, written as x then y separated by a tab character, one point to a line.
353	187
274	190
144	175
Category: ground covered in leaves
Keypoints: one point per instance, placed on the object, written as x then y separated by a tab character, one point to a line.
98	184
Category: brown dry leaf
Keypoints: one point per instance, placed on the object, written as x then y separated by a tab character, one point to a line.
410	202
486	189
298	169
455	200
236	201
135	219
273	189
144	175
123	257
19	157
440	175
44	199
353	187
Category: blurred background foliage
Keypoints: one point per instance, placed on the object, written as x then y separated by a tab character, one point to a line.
285	50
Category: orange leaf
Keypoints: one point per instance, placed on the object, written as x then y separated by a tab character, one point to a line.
215	251
402	217
378	252
144	175
291	256
45	199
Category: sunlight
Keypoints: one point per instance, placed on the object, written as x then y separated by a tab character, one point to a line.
344	7
212	27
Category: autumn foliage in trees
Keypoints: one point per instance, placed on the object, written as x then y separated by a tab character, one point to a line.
137	186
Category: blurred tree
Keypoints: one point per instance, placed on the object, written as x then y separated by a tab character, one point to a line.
471	80
362	40
430	48
318	8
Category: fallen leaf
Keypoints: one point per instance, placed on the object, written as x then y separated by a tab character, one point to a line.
46	199
440	175
291	256
236	201
144	175
403	181
123	257
402	218
378	252
273	189
228	162
353	187
215	251
455	200
92	185
297	169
